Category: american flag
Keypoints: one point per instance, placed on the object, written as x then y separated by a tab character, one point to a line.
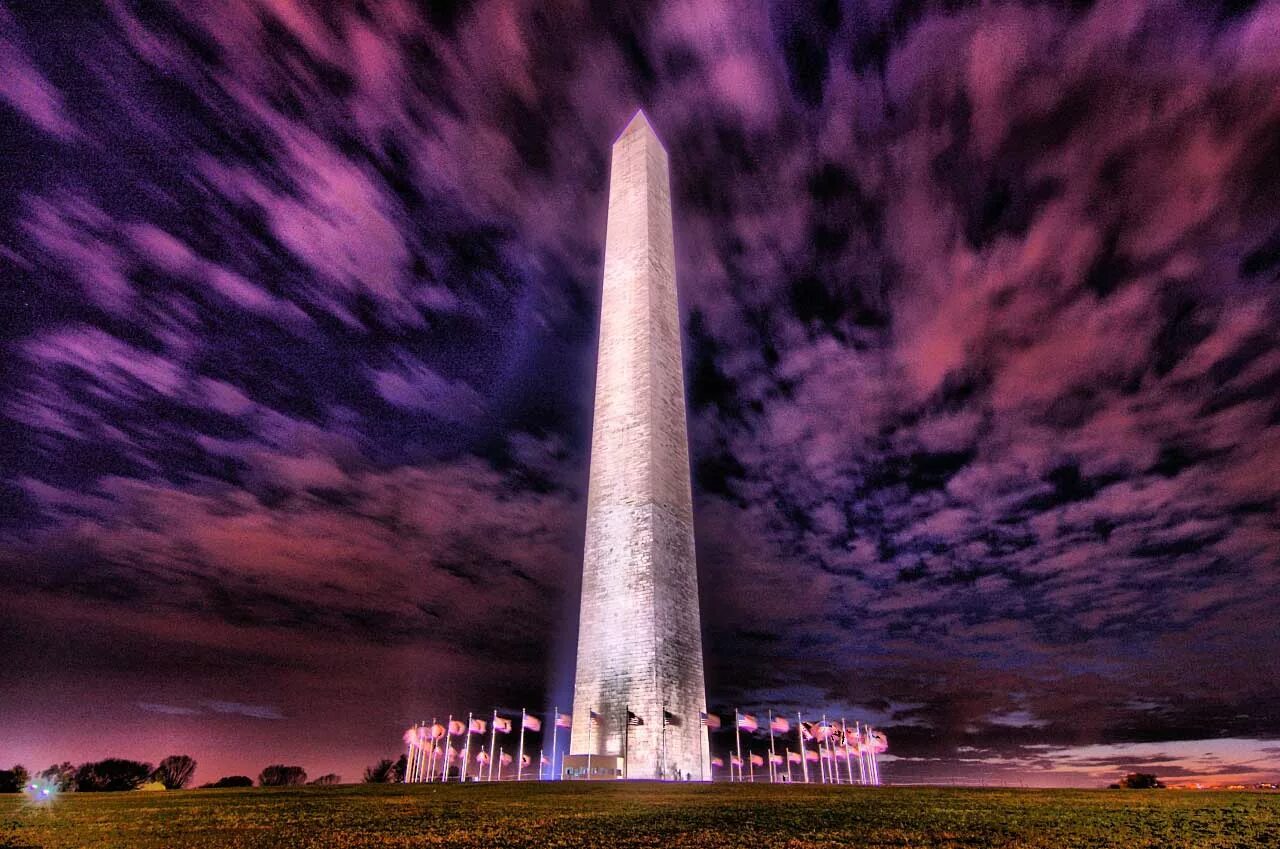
780	725
563	720
710	720
501	724
747	722
478	726
532	723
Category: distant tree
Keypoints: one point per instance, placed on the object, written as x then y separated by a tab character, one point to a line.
1139	781
279	775
62	776
111	774
175	771
14	780
229	781
387	771
379	773
327	779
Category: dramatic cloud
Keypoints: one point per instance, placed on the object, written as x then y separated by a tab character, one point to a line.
981	341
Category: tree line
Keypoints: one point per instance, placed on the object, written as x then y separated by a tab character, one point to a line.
174	773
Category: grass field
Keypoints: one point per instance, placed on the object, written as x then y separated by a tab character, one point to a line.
638	815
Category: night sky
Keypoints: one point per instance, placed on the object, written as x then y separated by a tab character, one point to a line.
299	306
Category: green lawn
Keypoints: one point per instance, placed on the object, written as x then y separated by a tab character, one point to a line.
648	815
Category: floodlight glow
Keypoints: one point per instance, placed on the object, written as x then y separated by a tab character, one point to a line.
41	791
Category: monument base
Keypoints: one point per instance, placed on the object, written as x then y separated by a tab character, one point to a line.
602	768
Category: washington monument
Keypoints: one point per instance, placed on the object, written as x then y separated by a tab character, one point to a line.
639	638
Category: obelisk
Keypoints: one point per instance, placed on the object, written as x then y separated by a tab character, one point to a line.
639	635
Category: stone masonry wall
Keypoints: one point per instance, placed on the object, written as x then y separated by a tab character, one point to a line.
639	637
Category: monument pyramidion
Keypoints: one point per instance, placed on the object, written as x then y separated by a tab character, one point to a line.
639	691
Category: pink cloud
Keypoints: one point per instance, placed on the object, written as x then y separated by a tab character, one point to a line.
24	88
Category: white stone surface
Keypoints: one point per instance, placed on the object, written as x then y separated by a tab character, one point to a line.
639	636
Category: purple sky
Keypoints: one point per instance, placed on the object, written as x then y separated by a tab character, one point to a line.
299	300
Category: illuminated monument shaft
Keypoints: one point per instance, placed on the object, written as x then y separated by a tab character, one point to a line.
639	639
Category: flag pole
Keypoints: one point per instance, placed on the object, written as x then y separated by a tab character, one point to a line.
857	752
862	755
555	726
466	752
444	769
835	759
804	755
702	738
662	766
831	748
408	764
520	753
737	734
822	748
848	757
430	771
875	763
770	715
871	755
501	755
493	746
873	767
626	739
420	767
822	762
591	740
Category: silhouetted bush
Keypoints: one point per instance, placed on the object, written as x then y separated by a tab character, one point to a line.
279	775
1138	781
175	771
111	775
13	780
328	779
379	773
61	776
229	781
386	771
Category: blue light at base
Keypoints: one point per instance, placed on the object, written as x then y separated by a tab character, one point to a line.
41	791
